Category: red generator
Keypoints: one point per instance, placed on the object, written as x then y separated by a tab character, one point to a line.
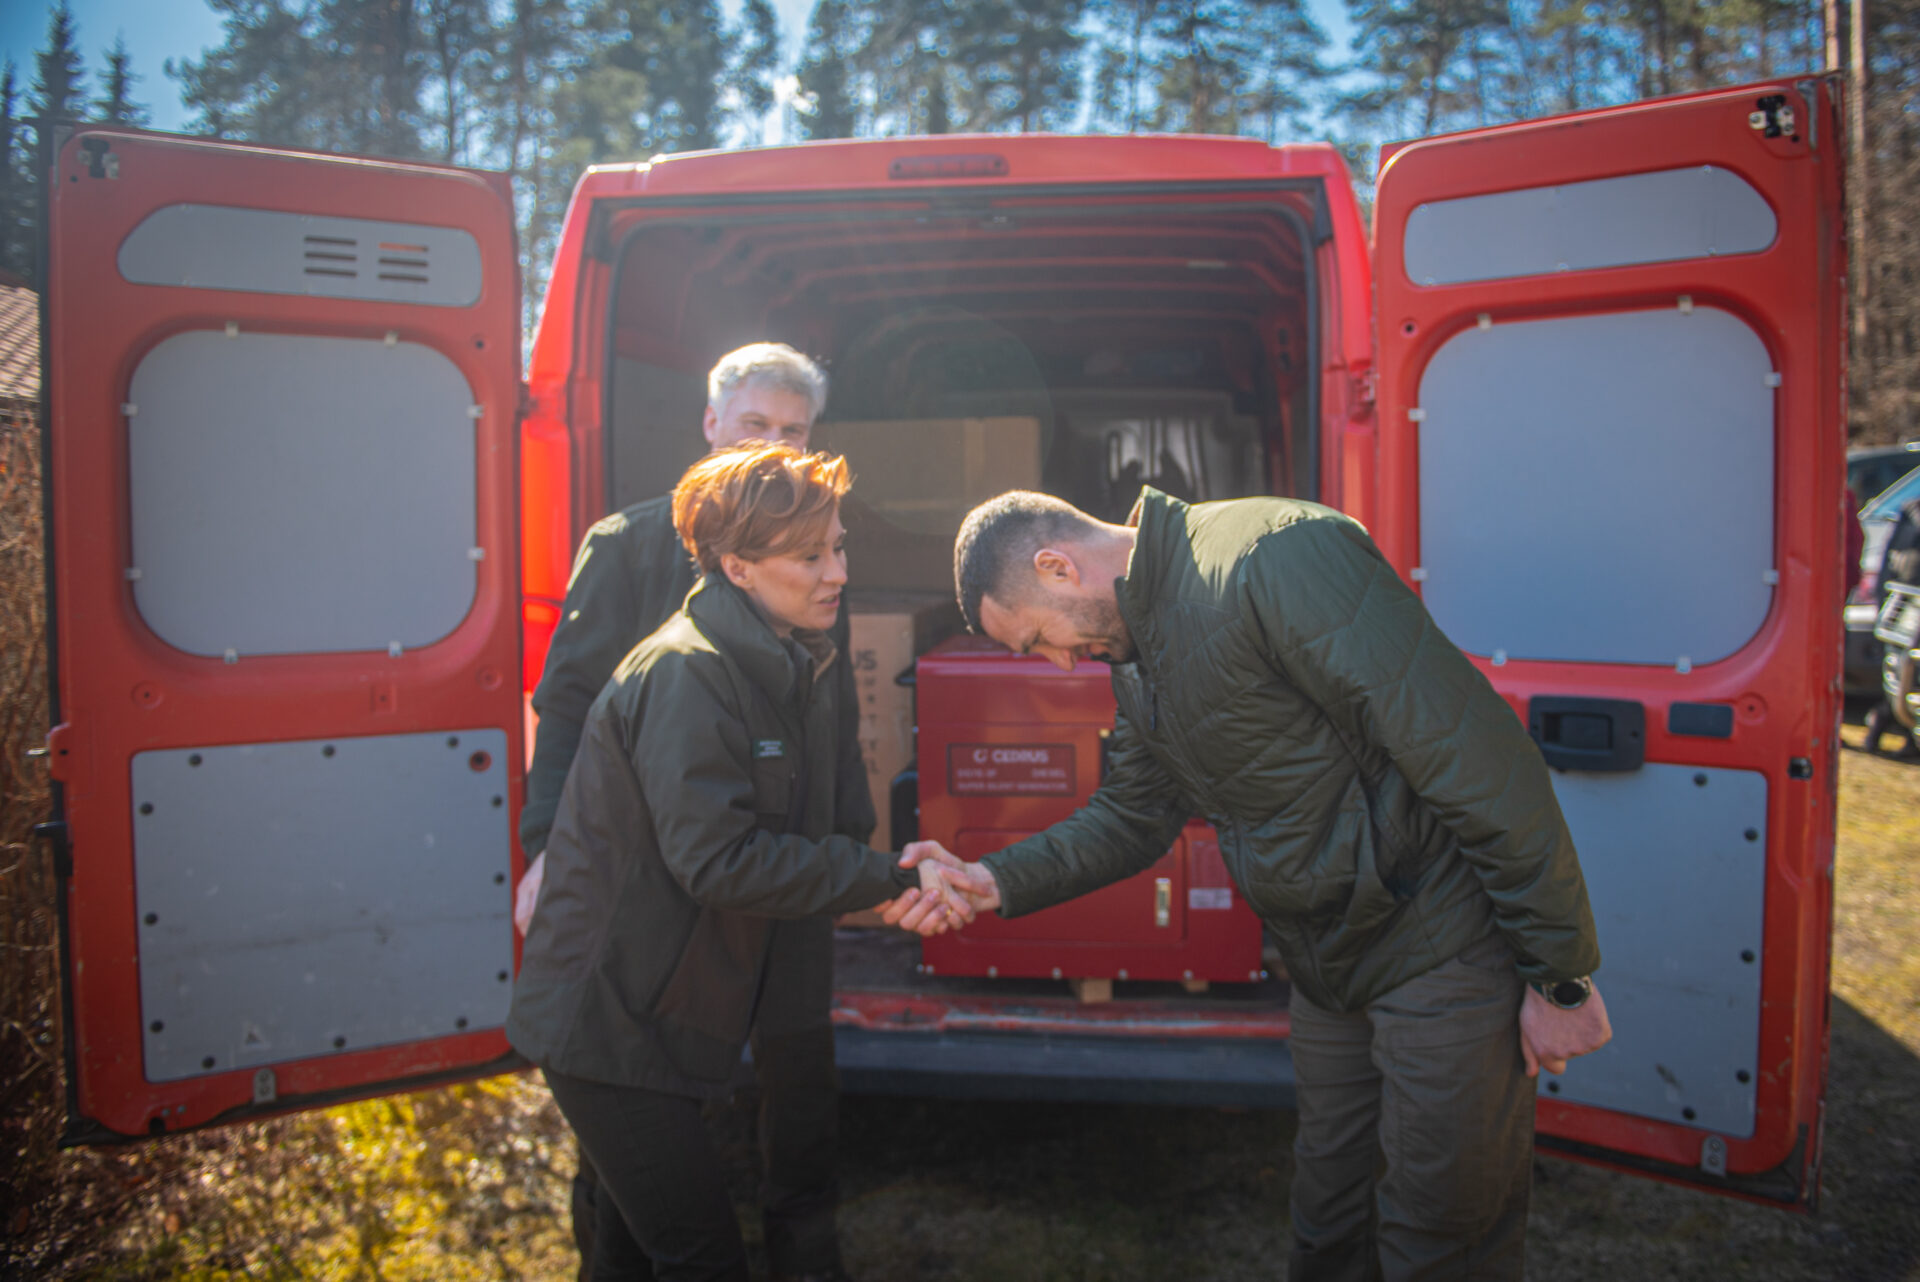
1010	744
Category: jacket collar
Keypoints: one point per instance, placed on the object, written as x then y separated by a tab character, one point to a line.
1162	522
727	617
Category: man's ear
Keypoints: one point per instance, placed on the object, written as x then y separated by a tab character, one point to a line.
1055	568
710	425
738	570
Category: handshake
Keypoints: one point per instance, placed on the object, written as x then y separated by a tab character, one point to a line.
951	891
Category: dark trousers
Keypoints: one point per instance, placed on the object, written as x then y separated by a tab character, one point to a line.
1414	1156
799	1127
660	1174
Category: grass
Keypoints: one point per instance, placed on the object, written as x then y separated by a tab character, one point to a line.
471	1182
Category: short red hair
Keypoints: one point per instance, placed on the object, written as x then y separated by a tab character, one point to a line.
756	501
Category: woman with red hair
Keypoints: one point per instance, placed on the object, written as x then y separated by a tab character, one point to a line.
710	801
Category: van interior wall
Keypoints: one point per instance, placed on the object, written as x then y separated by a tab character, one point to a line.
1082	349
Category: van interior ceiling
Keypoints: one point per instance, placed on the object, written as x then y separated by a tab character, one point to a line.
1082	346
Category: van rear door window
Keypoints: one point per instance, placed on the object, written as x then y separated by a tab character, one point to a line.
1660	217
300	494
1535	438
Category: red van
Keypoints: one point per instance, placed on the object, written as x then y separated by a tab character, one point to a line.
310	529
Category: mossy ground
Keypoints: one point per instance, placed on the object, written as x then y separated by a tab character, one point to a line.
472	1182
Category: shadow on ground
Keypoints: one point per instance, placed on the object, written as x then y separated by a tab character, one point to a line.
1097	1193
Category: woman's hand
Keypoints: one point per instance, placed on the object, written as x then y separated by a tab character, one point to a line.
945	908
952	891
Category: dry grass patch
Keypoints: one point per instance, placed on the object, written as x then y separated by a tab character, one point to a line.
1876	915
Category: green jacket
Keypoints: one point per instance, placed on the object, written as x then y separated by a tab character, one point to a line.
1378	803
630	574
712	794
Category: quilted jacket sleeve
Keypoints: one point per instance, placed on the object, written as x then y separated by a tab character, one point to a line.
1341	626
1130	821
698	784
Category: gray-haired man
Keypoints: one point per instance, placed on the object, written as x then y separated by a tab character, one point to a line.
631	573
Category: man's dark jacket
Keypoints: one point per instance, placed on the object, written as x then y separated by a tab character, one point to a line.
712	795
1378	803
630	574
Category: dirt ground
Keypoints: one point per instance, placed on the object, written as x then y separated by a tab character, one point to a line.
471	1182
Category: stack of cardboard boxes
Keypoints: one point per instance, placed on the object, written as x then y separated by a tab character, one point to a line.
914	482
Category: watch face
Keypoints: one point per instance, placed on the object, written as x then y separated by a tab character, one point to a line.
1569	993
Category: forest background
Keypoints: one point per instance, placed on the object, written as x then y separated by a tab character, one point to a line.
540	89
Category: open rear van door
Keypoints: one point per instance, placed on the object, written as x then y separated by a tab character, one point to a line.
285	599
1611	426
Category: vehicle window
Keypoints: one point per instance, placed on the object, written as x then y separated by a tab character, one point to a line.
1872	471
260	526
1888	504
1570	548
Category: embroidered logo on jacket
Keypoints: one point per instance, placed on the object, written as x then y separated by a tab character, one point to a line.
765	748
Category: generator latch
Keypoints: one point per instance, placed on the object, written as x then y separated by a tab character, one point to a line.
1163	902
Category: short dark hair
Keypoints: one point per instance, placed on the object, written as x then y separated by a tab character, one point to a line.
1001	536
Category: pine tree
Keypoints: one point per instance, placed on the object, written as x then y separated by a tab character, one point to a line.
539	47
58	96
1415	54
373	71
756	61
115	105
1287	71
825	74
906	57
459	39
1123	67
333	75
16	252
57	93
1205	66
1203	63
1021	62
674	55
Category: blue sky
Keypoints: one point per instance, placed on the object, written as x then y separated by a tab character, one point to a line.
157	30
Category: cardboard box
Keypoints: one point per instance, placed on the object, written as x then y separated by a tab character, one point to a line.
889	630
914	481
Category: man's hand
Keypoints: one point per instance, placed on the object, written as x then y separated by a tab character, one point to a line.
952	891
527	893
1549	1036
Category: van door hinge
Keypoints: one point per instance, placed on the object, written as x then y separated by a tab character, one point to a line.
61	746
59	840
1362	387
1771	116
101	161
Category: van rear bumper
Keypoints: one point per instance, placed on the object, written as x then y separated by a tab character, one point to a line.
1182	1071
900	1031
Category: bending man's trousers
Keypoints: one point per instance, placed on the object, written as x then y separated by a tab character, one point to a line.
1414	1154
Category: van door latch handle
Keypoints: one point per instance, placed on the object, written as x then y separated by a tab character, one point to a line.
1606	736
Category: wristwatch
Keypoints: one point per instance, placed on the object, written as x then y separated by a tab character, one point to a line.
1567	994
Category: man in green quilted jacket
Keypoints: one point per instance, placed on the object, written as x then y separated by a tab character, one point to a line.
1379	805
